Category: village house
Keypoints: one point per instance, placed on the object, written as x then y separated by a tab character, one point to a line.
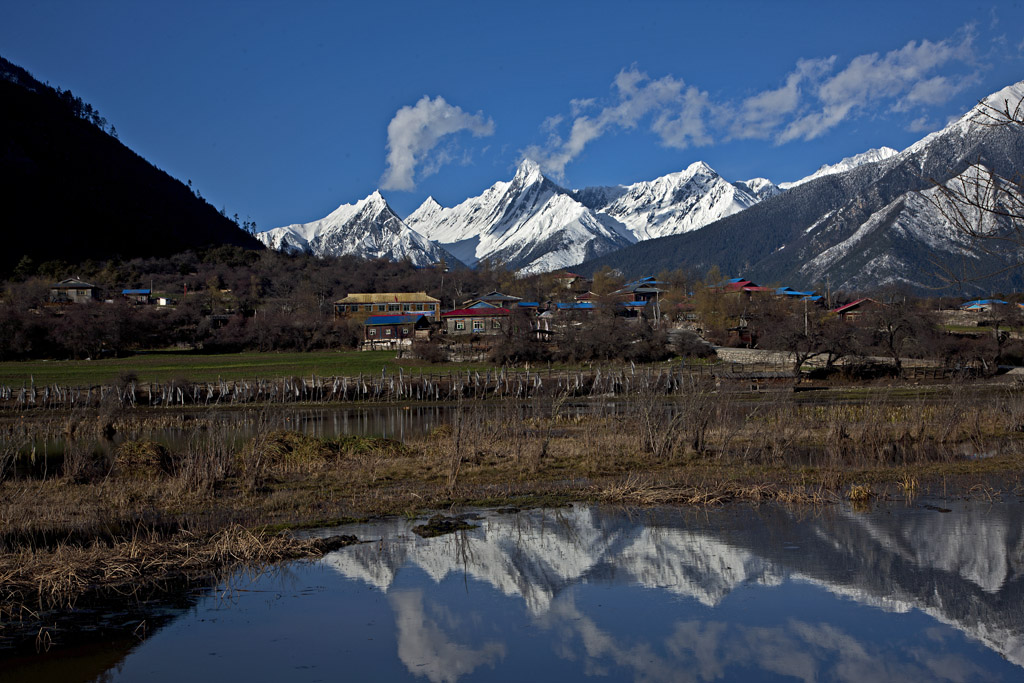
137	296
852	311
360	306
639	296
394	330
495	299
72	291
982	305
482	320
570	280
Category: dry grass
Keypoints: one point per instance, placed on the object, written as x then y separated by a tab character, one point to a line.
57	576
142	510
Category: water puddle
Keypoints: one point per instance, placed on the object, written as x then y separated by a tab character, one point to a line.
767	593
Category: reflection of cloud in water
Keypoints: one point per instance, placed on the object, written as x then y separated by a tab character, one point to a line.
427	650
700	652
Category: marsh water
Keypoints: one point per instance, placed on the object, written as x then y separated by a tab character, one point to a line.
904	592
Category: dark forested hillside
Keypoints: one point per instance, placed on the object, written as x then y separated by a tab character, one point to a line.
69	190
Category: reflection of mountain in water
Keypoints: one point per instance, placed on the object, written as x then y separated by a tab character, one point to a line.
963	568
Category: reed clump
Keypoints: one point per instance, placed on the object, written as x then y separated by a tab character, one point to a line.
56	577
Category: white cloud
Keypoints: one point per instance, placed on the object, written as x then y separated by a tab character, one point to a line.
676	114
813	99
578	106
760	115
921	124
415	132
904	77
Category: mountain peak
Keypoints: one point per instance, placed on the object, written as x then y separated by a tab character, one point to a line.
869	157
528	170
700	167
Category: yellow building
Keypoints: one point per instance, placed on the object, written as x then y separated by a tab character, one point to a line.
361	306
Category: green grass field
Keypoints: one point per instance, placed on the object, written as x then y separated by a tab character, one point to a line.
161	366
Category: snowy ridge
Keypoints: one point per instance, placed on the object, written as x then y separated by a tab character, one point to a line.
368	229
677	202
529	223
914	218
869	157
984	114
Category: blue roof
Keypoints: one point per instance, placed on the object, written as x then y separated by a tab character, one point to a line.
633	304
644	281
528	304
789	291
982	302
135	291
393	319
580	306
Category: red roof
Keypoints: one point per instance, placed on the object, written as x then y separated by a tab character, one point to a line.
739	284
852	304
475	312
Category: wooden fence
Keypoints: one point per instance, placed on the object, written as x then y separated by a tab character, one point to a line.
395	387
402	386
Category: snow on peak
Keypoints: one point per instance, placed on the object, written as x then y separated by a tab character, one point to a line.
530	224
529	171
674	203
989	108
368	228
849	163
985	113
701	168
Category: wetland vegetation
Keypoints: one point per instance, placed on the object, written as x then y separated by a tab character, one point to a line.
143	512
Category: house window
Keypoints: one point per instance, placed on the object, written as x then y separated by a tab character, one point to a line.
478	325
387	331
495	324
371	331
394	307
368	308
418	307
405	330
460	324
406	307
382	307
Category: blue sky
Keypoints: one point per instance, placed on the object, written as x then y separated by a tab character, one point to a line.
281	112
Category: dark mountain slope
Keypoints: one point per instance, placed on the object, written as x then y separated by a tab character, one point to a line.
866	227
69	190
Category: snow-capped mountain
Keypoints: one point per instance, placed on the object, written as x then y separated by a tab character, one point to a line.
677	202
872	225
530	224
368	229
847	164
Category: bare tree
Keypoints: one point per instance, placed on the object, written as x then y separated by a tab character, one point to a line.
985	206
